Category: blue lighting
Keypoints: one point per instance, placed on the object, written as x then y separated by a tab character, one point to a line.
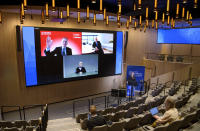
119	48
179	36
29	56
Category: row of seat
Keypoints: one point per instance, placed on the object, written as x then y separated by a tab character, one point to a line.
137	120
109	110
22	125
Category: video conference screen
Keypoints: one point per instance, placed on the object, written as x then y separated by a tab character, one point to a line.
54	55
179	36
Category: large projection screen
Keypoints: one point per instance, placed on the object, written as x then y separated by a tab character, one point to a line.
179	36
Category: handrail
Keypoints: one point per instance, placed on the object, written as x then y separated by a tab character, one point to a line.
92	100
31	106
74	102
2	113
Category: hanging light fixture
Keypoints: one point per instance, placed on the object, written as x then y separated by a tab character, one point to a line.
101	7
168	20
79	17
177	10
163	18
153	22
183	12
190	17
147	12
140	20
25	5
118	24
155	5
139	4
173	25
68	11
156	25
130	19
78	11
22	11
145	28
53	6
195	3
134	9
168	2
172	21
93	1
147	23
120	9
88	12
135	24
94	20
127	24
118	18
42	16
104	14
47	11
107	20
184	1
0	17
187	16
61	17
156	16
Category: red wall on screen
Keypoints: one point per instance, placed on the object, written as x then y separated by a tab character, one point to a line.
74	40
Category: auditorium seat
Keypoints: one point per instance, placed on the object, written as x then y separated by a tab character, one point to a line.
5	124
130	112
175	125
21	123
116	126
100	128
30	128
81	116
13	129
117	116
108	110
132	123
146	119
34	122
161	128
119	108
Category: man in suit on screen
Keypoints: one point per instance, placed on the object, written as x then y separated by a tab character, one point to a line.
98	48
58	51
80	69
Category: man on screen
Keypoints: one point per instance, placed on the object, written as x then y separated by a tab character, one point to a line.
97	45
80	69
58	51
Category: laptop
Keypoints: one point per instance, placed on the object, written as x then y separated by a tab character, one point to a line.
154	111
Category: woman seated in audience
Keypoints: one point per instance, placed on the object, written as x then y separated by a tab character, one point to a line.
170	115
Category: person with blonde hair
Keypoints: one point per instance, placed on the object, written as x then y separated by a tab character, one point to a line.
171	113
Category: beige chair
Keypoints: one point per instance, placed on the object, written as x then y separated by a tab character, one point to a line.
132	111
100	128
116	126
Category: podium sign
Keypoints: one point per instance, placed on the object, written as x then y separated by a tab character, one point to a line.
135	78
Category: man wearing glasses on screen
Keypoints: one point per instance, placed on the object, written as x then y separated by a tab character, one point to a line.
97	45
58	51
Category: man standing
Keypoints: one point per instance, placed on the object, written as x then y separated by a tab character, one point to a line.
97	45
131	81
58	51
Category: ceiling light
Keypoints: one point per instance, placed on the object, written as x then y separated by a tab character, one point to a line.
47	11
195	3
139	4
68	11
88	12
168	2
155	5
53	6
101	7
93	1
177	10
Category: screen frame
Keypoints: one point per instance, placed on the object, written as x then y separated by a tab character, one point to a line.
72	30
175	29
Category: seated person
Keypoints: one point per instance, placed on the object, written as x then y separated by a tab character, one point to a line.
80	69
94	119
170	115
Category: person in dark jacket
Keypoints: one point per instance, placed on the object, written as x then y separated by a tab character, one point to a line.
94	119
80	69
98	48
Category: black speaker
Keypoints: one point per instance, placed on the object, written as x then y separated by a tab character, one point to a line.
18	36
